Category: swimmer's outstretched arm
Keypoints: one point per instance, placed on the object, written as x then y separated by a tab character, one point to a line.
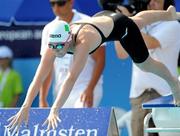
147	17
43	69
79	61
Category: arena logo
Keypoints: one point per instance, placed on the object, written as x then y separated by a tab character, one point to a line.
55	35
61	132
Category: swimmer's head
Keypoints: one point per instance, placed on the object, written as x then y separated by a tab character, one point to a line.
59	38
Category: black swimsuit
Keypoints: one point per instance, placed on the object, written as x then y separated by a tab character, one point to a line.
125	31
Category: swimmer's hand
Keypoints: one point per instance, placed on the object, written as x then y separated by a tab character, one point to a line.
17	119
52	120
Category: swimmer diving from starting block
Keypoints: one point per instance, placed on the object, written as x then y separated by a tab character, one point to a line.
82	38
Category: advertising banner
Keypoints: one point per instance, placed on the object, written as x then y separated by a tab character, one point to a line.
74	122
25	41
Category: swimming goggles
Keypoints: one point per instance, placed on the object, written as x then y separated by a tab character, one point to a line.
58	45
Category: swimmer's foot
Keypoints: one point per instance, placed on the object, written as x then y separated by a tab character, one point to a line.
172	12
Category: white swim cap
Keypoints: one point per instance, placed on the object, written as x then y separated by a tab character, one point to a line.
59	32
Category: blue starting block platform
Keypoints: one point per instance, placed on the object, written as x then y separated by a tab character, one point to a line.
74	122
165	114
165	101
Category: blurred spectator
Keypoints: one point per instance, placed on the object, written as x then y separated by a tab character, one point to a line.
10	80
88	89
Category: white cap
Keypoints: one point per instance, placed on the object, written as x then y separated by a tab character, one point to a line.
59	32
5	52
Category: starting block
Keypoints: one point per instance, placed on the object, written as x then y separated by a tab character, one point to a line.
165	115
74	122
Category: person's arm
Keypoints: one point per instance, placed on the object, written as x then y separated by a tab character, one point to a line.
42	72
47	82
161	39
43	69
79	61
99	58
85	42
43	93
150	41
147	17
120	51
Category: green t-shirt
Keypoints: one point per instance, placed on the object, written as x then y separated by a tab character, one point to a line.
12	88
